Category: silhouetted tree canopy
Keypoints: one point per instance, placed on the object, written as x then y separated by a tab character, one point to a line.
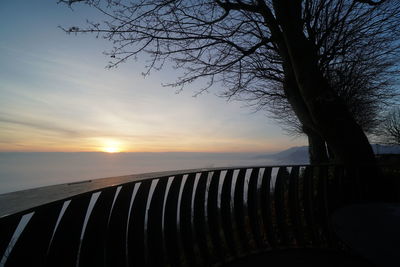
390	128
325	61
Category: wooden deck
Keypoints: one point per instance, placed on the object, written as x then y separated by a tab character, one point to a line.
301	258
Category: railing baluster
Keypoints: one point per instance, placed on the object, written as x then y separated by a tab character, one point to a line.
68	234
154	225
294	202
171	230
338	197
324	207
136	235
353	187
214	216
253	205
309	205
8	225
239	210
280	207
187	232
116	253
199	219
266	207
35	238
227	214
94	240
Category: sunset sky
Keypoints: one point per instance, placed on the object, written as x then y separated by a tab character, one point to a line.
56	95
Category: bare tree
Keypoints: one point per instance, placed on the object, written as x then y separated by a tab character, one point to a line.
361	70
368	91
390	128
262	51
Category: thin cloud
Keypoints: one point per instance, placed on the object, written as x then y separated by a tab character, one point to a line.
42	125
46	126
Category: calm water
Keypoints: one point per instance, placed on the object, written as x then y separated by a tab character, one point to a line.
20	171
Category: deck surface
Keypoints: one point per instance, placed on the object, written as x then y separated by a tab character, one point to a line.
301	258
371	230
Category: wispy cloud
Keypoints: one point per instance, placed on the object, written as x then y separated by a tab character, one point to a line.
39	125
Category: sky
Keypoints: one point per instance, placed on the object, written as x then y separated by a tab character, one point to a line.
57	95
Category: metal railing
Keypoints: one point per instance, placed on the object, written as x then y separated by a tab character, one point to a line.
199	218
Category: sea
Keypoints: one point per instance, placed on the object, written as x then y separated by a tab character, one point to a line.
25	170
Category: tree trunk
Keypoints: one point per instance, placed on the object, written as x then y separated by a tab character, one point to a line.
334	122
316	147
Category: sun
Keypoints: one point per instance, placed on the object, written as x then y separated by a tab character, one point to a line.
111	149
111	146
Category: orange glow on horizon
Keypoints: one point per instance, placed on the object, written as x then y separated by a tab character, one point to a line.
111	149
122	144
111	146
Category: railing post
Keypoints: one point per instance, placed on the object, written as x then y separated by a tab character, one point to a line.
214	220
201	231
294	203
228	215
68	233
136	235
171	230
309	205
155	235
94	240
266	207
253	204
189	242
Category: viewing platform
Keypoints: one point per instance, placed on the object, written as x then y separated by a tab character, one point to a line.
240	216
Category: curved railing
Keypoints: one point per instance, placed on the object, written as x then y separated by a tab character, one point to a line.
199	218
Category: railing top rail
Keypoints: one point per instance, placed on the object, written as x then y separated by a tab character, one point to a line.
14	202
21	201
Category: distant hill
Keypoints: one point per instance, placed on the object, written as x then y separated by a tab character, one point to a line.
293	155
299	154
386	149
